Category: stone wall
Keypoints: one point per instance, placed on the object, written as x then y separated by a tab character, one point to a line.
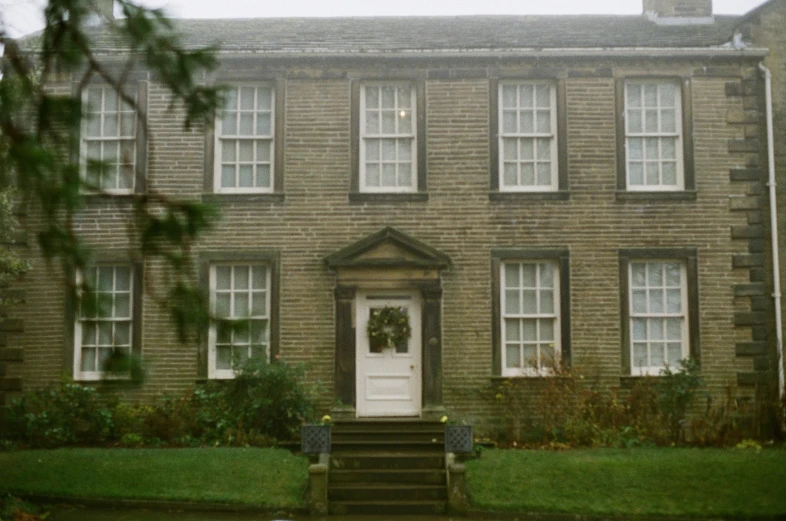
315	217
764	28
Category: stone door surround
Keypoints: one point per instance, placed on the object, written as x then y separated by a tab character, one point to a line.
388	260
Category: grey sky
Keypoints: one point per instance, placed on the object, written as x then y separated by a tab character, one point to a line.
22	16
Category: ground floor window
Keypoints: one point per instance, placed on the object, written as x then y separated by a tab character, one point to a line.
240	303
660	309
531	311
530	317
658	315
104	324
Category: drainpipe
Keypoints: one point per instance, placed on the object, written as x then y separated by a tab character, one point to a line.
776	293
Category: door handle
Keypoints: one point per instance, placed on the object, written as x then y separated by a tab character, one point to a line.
412	367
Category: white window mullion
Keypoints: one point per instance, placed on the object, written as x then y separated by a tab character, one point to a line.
387	170
102	113
657	337
89	348
532	327
96	133
646	122
256	139
526	134
241	342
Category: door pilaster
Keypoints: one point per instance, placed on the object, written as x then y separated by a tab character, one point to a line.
432	350
344	376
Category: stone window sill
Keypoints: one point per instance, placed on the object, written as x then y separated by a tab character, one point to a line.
243	198
558	195
109	198
630	381
390	198
109	381
685	195
535	377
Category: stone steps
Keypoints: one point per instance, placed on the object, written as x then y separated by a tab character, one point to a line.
376	460
387	425
389	437
398	446
387	492
387	507
409	475
387	467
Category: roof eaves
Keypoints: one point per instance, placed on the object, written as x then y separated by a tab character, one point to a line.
720	51
601	52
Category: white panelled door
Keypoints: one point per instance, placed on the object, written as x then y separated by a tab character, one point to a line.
389	379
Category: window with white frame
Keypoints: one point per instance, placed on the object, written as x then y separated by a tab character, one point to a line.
104	325
528	136
653	135
245	141
530	317
240	301
387	138
108	147
658	315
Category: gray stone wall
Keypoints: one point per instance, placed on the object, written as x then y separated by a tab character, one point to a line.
316	218
765	29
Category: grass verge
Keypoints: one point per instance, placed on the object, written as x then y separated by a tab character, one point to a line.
653	482
261	477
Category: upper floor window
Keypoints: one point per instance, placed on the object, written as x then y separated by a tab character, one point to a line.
244	147
240	300
104	323
653	136
388	148
528	136
109	140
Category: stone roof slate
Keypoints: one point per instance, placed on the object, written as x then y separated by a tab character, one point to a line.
447	33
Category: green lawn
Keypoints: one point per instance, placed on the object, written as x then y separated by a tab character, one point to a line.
668	482
262	477
659	482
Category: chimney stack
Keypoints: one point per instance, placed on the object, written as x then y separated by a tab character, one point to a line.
678	8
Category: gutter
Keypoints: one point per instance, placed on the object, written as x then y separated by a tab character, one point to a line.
598	52
776	275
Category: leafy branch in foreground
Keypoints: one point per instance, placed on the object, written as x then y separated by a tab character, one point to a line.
39	129
11	265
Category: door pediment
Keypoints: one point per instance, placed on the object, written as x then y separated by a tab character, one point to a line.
388	264
388	248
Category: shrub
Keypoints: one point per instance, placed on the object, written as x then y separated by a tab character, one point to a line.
211	412
718	425
643	412
515	399
748	444
599	419
131	439
171	421
269	399
564	408
676	391
129	418
63	415
14	509
265	403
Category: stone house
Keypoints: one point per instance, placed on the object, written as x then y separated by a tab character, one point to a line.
532	190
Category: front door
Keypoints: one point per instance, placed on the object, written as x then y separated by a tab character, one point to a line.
388	377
